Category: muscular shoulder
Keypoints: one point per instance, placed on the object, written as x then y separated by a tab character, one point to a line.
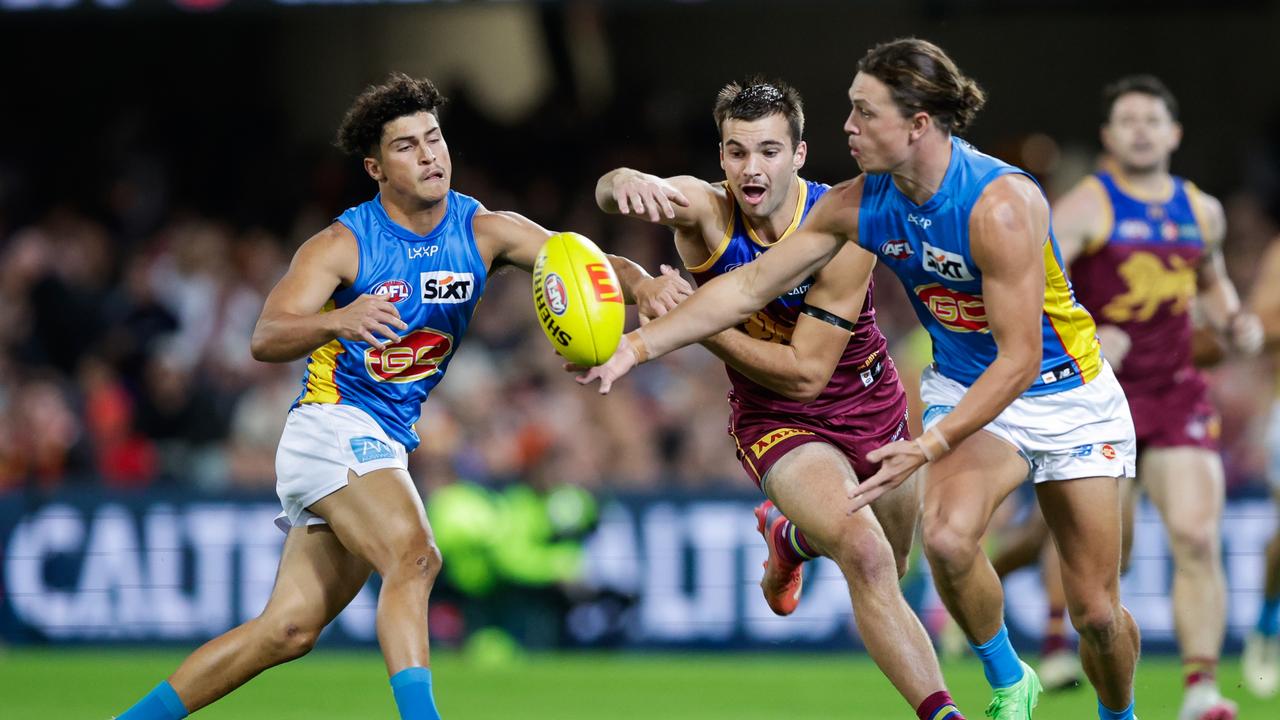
334	249
505	237
1009	202
1209	212
836	212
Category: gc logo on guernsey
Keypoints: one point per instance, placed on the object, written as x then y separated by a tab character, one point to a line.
417	356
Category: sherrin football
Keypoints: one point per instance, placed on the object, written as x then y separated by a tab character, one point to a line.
578	299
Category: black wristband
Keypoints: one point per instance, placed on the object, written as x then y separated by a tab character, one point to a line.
827	317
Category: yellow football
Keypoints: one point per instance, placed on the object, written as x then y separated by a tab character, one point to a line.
578	299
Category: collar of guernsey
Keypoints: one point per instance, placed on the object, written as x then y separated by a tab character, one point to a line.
927	247
435	281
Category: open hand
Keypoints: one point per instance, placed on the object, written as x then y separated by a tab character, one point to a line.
369	318
647	195
657	295
619	364
897	461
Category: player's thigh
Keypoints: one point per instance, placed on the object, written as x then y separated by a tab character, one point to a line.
1187	485
1084	519
899	513
810	486
380	517
1130	493
317	578
963	489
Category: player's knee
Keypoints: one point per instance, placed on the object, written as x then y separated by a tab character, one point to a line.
288	640
1096	620
866	558
421	562
1197	543
948	546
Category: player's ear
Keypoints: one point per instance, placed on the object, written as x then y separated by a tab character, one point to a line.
374	168
721	148
802	152
920	124
1177	135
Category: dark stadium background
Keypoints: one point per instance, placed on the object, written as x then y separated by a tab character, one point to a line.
159	162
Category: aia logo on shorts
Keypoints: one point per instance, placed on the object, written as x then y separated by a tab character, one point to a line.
392	290
1108	451
416	357
762	446
954	310
897	249
557	297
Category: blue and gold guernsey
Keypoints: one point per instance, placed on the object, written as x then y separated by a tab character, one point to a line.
435	281
865	359
927	246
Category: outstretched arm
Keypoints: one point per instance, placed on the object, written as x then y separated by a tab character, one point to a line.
513	239
1009	228
729	299
801	368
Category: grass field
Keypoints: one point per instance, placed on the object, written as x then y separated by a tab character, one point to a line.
92	685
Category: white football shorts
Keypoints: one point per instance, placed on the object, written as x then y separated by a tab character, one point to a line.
319	445
1083	432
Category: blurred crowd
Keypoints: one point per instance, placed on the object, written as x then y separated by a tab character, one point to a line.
125	325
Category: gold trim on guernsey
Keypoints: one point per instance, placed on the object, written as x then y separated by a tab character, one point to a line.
801	199
1093	245
724	241
1070	321
1160	198
322	385
1195	194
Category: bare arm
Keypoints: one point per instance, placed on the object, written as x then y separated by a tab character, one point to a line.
801	369
1008	228
680	201
1217	297
508	238
1081	219
292	325
729	299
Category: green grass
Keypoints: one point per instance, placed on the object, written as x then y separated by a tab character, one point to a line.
330	684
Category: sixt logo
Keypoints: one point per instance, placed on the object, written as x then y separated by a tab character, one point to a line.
417	356
392	290
557	296
447	287
897	249
421	252
920	221
945	263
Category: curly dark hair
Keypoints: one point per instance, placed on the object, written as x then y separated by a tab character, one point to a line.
361	130
757	98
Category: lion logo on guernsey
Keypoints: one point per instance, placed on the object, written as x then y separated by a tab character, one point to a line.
417	356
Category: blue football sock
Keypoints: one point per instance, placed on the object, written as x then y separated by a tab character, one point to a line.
1269	618
162	703
412	688
1106	714
999	661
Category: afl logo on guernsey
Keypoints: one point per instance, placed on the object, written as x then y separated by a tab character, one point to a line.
416	357
392	290
557	297
897	249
